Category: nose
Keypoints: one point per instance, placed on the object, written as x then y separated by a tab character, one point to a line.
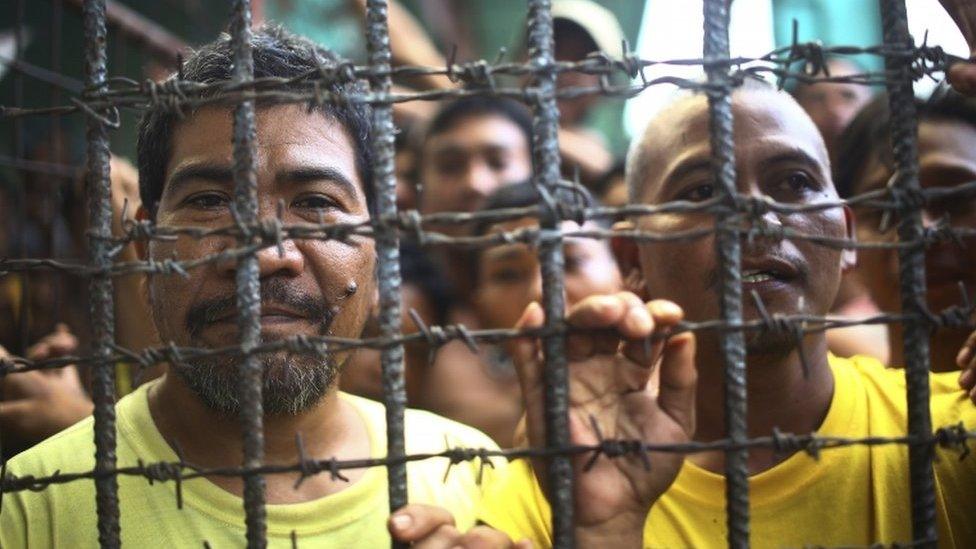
535	287
286	260
480	180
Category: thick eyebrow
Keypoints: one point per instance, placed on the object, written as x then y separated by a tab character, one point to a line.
796	155
208	172
222	174
483	148
309	174
506	252
685	168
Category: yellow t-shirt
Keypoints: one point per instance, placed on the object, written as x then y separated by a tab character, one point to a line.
854	495
63	515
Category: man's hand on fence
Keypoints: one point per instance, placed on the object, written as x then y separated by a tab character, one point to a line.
39	403
962	76
430	527
610	367
967	362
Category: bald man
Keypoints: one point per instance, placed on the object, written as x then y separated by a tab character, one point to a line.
793	497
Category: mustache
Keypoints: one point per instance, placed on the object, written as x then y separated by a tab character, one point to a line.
273	290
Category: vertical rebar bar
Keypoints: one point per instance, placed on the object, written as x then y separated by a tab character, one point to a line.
728	250
23	316
545	128
911	261
248	283
387	247
57	156
99	254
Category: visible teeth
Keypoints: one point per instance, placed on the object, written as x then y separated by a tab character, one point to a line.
756	276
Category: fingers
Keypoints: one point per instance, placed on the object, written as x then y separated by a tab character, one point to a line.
966	359
486	537
415	522
431	527
605	319
22	385
678	380
665	315
962	76
525	349
60	342
966	352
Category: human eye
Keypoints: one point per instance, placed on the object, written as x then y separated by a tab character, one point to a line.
697	193
506	275
450	165
497	162
314	202
794	184
207	200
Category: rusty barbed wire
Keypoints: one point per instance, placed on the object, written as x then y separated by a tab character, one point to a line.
739	218
953	437
479	78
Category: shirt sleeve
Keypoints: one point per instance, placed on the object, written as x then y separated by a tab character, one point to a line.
955	464
13	519
516	505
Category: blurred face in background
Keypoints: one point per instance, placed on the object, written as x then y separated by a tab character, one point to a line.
509	277
947	158
832	105
471	159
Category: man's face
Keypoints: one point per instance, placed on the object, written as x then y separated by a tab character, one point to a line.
779	154
470	160
946	158
509	277
305	166
832	105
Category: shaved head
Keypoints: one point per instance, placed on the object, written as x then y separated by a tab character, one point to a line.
666	139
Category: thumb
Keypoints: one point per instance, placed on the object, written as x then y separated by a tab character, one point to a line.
525	348
679	380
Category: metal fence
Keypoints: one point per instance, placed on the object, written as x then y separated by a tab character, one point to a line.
102	98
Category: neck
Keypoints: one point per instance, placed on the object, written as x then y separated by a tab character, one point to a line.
331	428
943	347
780	396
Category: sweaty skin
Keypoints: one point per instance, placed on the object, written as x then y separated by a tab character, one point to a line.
779	154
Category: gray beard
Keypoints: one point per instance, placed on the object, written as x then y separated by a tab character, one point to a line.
292	383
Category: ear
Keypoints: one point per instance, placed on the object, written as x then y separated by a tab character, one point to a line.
142	246
627	253
848	258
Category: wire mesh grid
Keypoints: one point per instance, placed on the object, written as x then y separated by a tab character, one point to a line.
737	218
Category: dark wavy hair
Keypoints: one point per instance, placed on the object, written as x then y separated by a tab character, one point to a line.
276	53
868	134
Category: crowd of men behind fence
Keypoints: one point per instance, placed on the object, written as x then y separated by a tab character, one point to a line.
634	374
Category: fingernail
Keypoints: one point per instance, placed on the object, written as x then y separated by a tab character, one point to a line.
401	522
966	378
668	308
